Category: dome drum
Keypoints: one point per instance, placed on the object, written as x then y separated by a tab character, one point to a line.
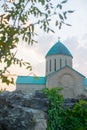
58	57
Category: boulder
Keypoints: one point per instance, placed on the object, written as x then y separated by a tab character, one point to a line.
20	111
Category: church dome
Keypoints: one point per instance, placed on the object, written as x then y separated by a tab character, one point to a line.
60	49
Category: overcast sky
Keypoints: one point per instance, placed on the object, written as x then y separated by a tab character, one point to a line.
74	38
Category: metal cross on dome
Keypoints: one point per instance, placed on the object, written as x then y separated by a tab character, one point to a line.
58	38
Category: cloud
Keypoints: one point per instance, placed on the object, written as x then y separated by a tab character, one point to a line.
78	48
36	54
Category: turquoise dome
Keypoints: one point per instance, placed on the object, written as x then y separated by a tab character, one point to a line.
60	49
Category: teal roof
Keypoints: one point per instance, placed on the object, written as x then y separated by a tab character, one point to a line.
85	82
59	48
30	80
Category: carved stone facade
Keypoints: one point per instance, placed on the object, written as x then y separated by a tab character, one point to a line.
70	80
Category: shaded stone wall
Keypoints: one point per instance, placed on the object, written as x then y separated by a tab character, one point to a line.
70	102
30	88
20	111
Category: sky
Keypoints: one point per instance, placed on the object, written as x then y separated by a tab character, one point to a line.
73	37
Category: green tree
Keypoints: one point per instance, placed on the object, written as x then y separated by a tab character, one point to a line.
18	19
60	118
55	110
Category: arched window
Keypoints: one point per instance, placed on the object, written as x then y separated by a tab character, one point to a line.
54	64
50	66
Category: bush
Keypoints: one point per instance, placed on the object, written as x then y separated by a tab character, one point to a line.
55	108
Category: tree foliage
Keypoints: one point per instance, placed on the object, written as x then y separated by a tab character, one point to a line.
55	110
76	119
18	19
65	119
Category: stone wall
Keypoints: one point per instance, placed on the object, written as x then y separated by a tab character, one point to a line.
20	111
30	88
70	80
70	102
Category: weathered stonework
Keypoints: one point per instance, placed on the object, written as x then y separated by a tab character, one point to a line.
70	102
70	80
20	111
29	88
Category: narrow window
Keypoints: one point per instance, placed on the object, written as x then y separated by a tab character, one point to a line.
60	63
50	66
46	66
65	62
54	64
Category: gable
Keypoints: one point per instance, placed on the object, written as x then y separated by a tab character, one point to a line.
66	69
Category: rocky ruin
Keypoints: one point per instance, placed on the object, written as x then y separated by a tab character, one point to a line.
20	111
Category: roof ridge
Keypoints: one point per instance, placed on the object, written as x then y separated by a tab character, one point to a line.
63	68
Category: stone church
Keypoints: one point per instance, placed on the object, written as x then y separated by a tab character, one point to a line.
59	73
